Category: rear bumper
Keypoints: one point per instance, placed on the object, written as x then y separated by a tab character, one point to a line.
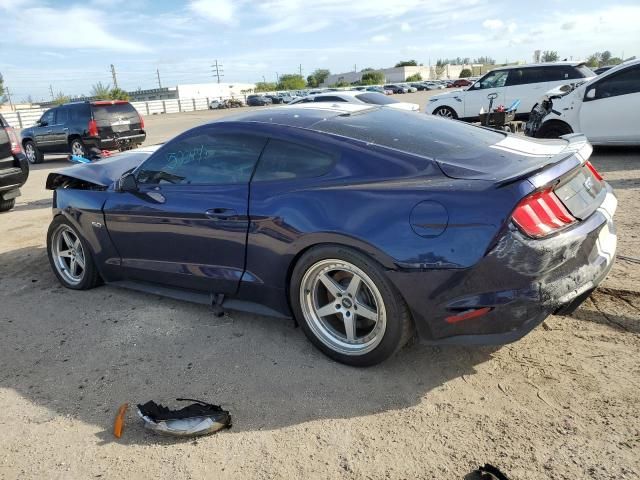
521	280
11	179
117	142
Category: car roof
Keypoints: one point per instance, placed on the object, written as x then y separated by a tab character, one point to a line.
301	115
617	68
532	65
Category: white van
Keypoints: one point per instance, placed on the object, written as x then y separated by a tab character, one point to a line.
606	109
526	83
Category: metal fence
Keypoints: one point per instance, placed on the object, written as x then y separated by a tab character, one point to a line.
28	118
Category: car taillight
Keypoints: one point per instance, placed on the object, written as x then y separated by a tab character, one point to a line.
141	122
541	214
595	172
93	128
15	143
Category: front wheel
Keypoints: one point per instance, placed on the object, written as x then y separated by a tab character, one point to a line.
6	205
347	307
70	257
32	153
445	112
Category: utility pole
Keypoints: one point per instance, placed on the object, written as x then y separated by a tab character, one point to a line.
300	69
217	70
9	98
115	78
264	80
277	78
158	75
51	90
355	67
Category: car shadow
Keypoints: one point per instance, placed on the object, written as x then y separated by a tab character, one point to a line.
83	353
33	205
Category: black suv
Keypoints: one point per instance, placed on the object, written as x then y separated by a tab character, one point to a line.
77	127
258	100
14	168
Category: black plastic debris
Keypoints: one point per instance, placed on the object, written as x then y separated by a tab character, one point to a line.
487	472
199	418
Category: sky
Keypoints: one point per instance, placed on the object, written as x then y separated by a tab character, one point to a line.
70	45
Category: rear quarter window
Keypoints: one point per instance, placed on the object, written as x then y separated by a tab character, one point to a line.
282	160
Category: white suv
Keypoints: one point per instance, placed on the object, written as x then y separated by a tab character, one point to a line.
526	83
605	109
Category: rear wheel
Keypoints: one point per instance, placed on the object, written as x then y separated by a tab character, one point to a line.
445	112
553	130
6	205
347	307
77	147
70	257
32	153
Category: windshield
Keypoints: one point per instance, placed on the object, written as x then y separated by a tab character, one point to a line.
375	98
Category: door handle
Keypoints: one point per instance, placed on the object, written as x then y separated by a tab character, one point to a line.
221	213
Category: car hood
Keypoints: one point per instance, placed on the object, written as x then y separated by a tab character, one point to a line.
102	172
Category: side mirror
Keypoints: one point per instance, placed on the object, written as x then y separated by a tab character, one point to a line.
591	94
127	183
41	123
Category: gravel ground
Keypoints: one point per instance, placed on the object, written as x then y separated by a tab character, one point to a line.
560	404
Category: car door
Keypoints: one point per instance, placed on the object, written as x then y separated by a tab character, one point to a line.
186	225
43	131
476	96
610	111
59	131
527	84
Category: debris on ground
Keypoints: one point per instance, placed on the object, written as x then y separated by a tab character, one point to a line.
197	419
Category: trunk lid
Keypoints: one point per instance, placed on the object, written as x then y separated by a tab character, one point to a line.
116	119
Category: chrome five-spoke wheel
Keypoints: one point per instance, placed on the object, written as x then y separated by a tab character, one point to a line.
30	152
343	307
68	255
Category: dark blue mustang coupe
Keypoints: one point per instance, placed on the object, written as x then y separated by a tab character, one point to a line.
367	224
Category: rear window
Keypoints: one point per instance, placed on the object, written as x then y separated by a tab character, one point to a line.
375	98
107	112
422	135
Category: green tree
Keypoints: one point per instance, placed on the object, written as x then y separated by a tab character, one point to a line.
407	63
605	58
416	77
265	87
593	60
291	82
340	83
465	73
317	77
485	61
61	99
118	94
615	61
550	56
372	78
101	92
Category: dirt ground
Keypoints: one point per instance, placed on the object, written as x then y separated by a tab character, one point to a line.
562	403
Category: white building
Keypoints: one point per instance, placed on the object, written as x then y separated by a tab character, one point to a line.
213	90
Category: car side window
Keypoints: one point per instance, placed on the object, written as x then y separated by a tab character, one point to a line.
285	160
329	98
203	158
62	116
622	83
494	79
49	117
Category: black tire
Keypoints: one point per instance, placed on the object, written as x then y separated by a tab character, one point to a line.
399	324
6	205
37	156
76	143
445	112
91	277
553	130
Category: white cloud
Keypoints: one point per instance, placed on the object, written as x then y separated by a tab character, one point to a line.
221	11
48	28
494	24
405	27
380	38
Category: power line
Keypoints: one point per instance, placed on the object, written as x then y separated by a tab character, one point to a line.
51	90
158	74
217	72
115	78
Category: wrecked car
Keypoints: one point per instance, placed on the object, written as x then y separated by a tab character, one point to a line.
366	224
605	109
